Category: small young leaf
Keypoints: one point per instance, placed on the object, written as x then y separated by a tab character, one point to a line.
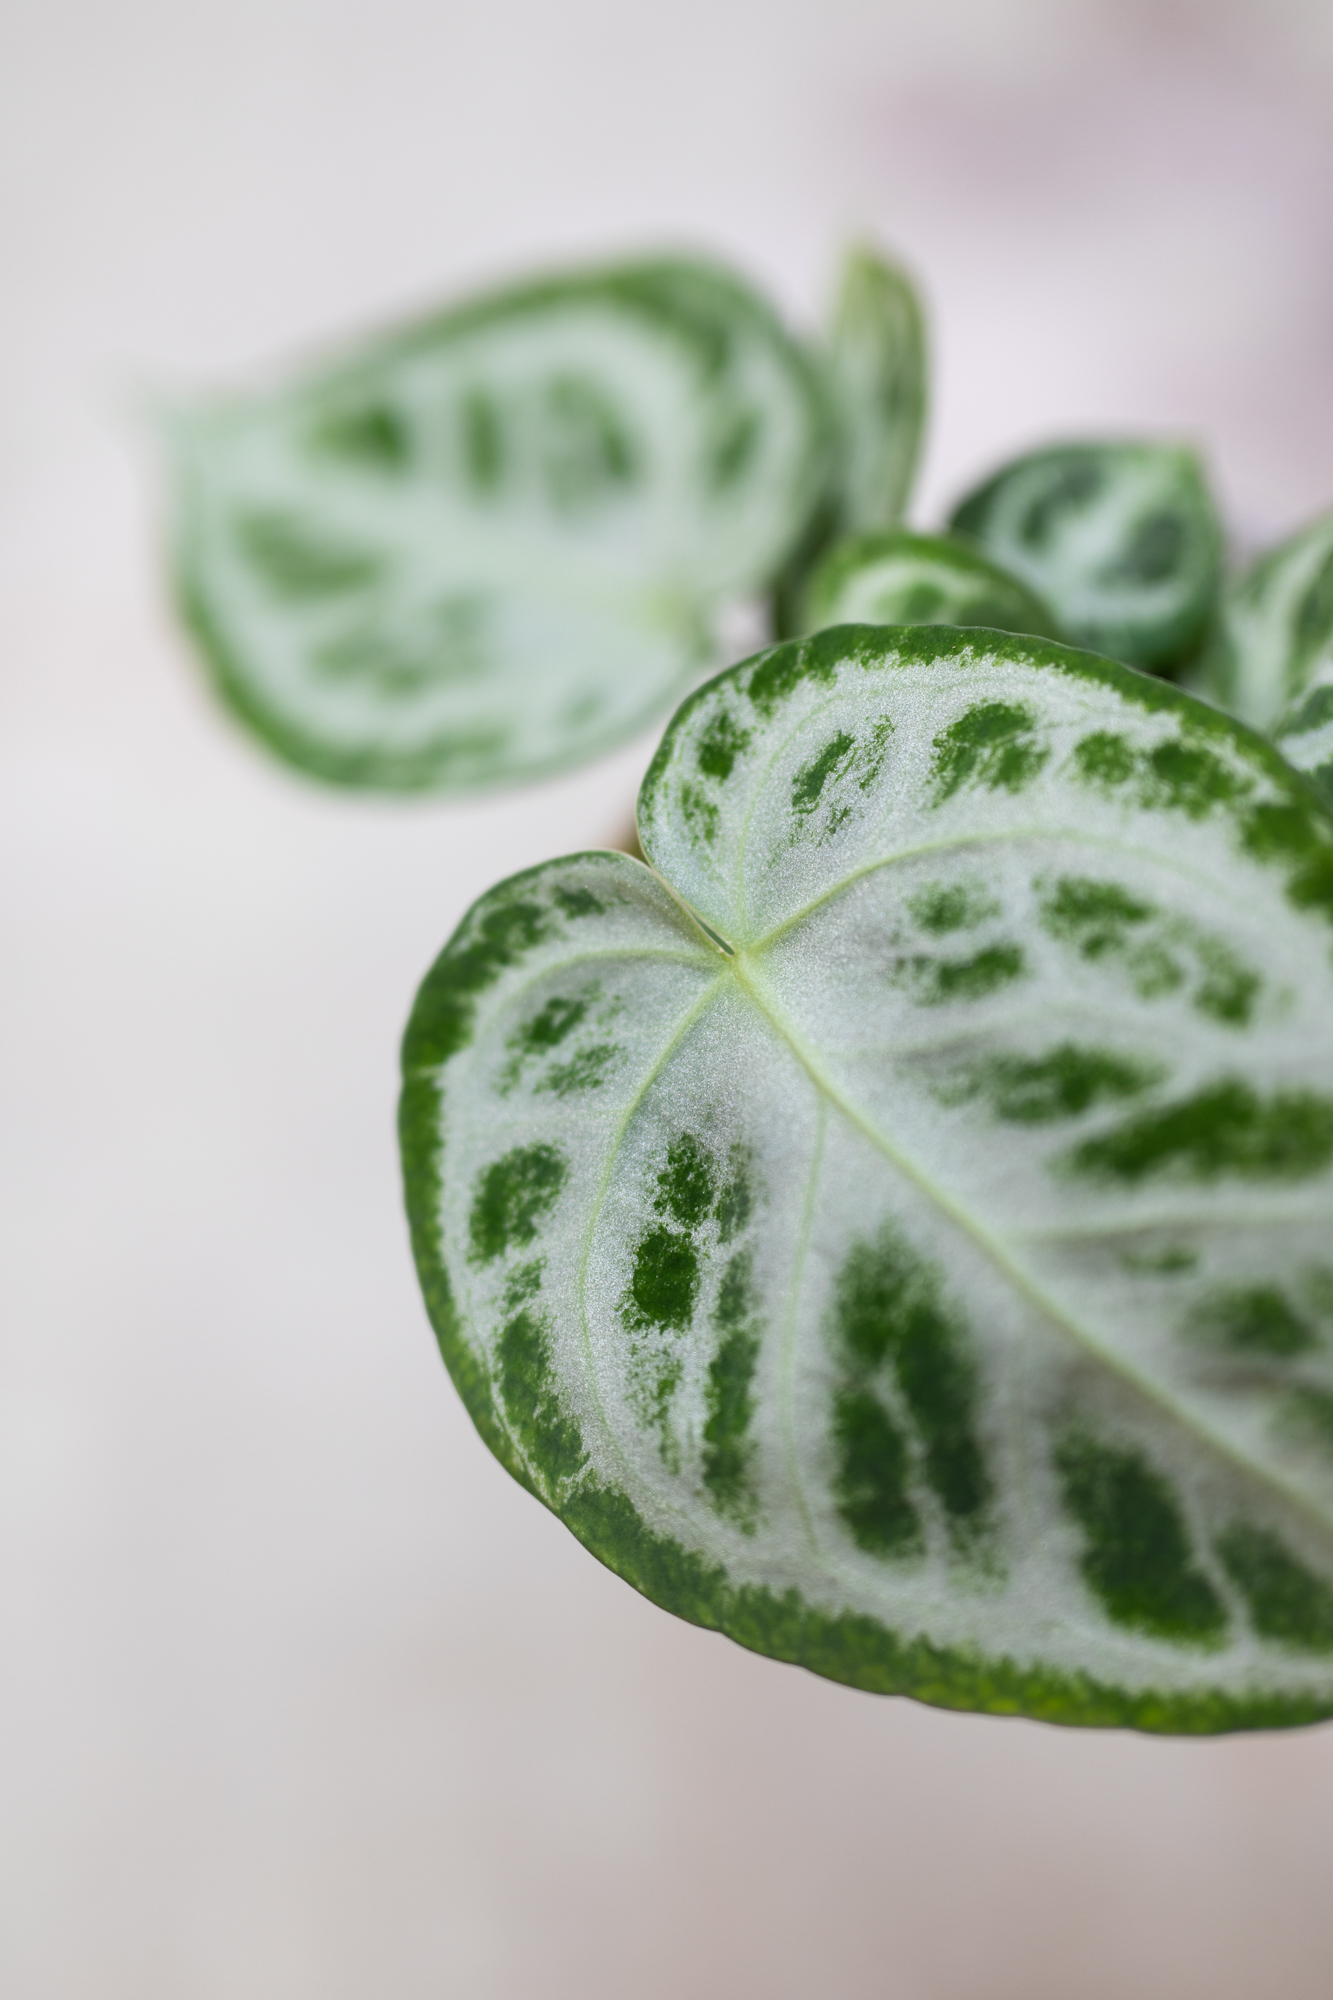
494	543
875	370
1304	734
1121	540
896	1232
1275	632
878	366
897	578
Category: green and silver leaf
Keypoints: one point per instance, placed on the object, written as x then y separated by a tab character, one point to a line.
875	370
894	1229
878	368
496	542
897	578
1122	540
1274	635
1304	734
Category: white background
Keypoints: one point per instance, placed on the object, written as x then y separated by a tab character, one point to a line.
300	1697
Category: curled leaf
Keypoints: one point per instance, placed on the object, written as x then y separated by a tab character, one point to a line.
1274	635
875	371
877	358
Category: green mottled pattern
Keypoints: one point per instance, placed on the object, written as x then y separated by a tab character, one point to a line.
494	542
1120	539
889	1312
897	578
512	1194
930	1282
998	744
1136	1554
1153	950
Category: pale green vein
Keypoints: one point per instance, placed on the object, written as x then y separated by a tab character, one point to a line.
759	789
1257	1213
1061	835
515	992
993	1027
993	1248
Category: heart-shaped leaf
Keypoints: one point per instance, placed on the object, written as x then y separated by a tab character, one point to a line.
1121	540
494	543
896	1232
897	578
1275	631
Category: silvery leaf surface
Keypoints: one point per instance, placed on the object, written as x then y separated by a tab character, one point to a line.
894	1229
496	542
1120	539
1274	636
898	578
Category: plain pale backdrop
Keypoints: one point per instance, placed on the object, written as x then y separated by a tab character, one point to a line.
300	1697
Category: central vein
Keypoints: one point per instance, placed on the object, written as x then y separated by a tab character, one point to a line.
760	994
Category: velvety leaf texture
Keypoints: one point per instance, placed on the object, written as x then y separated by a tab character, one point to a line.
1122	541
494	543
897	578
894	1228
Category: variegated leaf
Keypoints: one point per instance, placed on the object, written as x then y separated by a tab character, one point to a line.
897	578
1121	540
875	369
877	355
493	543
1275	631
1304	734
897	1231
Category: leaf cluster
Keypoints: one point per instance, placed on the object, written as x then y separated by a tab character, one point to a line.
888	1222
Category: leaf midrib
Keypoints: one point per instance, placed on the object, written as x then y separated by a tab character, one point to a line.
760	996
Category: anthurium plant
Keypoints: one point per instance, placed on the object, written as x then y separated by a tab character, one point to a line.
889	1222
